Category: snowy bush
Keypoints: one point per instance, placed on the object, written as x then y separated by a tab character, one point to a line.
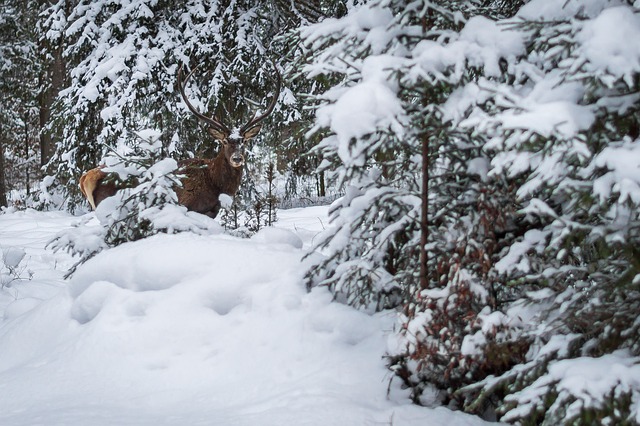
11	268
255	204
49	196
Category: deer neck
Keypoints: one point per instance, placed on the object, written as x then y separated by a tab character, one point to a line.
225	176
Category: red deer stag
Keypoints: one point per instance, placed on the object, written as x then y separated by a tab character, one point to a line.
204	178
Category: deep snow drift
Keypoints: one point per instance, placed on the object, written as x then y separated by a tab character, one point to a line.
186	330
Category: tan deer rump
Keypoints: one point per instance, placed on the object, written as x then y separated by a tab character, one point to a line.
88	183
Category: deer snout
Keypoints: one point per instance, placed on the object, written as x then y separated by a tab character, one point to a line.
237	160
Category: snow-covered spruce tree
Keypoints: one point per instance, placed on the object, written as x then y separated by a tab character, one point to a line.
262	191
124	57
452	329
543	110
231	215
148	179
363	151
242	217
568	126
388	120
554	118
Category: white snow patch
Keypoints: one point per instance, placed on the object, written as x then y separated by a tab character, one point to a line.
226	201
550	10
271	235
607	42
12	256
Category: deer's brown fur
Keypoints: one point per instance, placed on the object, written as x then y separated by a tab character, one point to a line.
205	181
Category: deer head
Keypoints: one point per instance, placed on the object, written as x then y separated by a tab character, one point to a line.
233	140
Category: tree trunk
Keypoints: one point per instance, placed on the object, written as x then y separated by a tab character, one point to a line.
27	178
3	187
424	222
322	191
51	82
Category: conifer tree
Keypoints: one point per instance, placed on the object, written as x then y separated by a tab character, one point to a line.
568	129
491	143
21	65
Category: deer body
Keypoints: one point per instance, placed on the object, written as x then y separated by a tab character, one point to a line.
205	179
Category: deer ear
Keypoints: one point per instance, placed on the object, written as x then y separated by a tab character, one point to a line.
217	134
251	132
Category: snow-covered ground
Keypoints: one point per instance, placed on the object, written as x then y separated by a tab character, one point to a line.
189	330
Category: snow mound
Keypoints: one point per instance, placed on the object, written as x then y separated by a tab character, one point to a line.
278	236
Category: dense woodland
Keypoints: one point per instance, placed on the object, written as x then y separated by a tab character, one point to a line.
486	154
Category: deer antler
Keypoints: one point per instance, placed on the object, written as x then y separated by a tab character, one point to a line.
256	120
212	121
